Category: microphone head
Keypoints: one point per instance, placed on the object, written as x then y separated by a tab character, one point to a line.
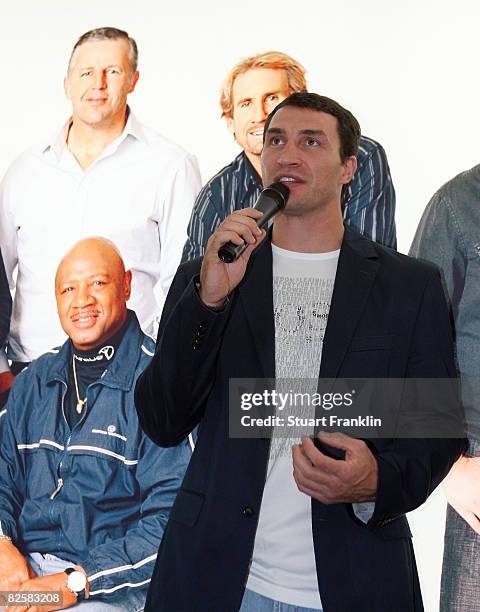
280	192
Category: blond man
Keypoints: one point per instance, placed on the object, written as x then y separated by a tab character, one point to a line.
252	89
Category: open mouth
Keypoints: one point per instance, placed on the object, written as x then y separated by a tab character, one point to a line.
289	180
84	319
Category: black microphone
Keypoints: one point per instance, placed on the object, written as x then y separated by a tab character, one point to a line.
271	201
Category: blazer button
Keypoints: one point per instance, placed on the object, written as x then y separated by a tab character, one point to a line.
248	512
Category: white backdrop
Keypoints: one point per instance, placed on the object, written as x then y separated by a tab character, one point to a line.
408	71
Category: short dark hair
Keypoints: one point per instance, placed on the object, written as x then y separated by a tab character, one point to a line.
109	34
348	127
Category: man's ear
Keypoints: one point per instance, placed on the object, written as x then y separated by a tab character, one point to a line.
349	167
66	87
127	284
230	125
133	82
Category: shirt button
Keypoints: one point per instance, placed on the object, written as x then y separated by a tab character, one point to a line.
248	512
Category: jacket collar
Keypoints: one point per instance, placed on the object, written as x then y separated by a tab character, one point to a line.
121	373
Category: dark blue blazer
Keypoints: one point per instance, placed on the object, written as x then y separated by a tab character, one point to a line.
388	317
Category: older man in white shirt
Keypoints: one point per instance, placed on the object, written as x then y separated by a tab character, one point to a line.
103	174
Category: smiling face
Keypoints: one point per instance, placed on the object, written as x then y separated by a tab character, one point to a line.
255	94
302	149
98	82
91	289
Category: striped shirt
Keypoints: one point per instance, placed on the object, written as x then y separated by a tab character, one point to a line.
368	202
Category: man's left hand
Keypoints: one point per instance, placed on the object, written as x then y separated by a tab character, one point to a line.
334	481
52	583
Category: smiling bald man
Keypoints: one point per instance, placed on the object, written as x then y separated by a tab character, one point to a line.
85	495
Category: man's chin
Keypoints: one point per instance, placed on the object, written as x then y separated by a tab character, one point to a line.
95	117
254	148
85	339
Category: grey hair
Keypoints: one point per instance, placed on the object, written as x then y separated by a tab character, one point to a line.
109	34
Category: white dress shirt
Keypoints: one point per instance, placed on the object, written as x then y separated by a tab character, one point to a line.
139	193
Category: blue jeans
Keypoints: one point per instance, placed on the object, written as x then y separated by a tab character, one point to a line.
127	600
253	602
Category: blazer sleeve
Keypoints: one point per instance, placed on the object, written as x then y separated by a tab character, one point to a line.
171	394
409	469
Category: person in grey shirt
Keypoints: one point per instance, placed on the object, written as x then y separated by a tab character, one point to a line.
449	235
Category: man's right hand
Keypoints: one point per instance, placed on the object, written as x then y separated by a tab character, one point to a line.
218	279
14	569
462	488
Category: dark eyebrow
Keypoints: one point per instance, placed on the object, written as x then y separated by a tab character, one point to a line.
313	132
274	130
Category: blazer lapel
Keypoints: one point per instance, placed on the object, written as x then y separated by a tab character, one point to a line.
256	295
357	268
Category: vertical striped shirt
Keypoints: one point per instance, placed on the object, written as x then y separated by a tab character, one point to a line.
368	202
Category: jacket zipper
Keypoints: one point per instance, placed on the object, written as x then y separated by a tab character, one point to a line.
59	468
58	487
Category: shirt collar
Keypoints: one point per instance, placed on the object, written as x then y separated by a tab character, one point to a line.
133	128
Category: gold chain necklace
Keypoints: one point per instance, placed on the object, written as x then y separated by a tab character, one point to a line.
80	402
